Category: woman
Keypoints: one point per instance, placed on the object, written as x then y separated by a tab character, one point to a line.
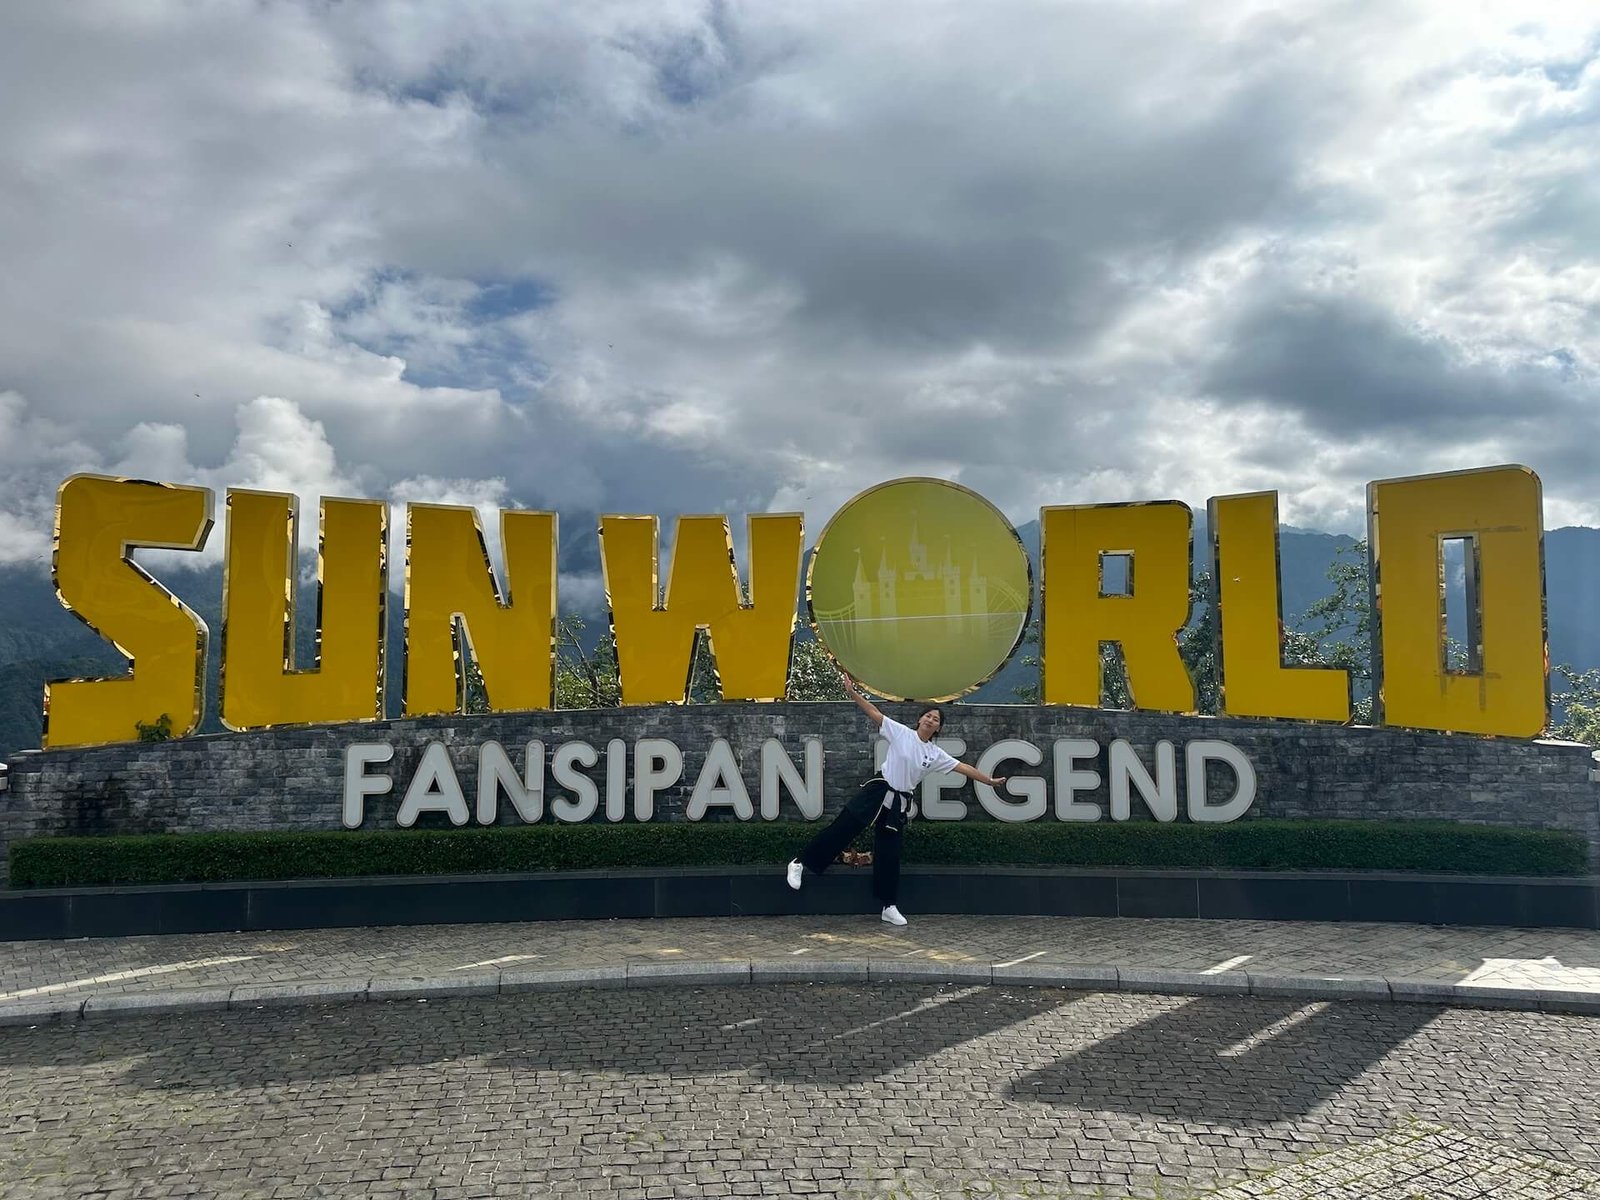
885	800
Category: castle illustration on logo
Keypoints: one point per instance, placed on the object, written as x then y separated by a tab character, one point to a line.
911	589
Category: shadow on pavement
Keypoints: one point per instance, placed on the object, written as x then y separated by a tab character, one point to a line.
1228	1060
819	1034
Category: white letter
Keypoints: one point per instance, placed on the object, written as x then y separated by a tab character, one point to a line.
358	785
935	783
585	798
616	779
1196	754
495	772
720	784
1030	809
1161	798
1070	781
648	777
776	765
434	788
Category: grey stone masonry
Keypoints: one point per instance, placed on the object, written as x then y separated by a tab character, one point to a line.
294	778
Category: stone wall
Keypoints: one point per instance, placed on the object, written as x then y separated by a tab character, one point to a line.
293	779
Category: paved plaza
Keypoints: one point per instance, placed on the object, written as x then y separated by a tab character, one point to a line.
1506	960
844	1086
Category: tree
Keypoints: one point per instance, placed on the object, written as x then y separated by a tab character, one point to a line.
589	678
813	675
585	678
1339	627
1579	706
1197	644
705	684
474	692
1028	693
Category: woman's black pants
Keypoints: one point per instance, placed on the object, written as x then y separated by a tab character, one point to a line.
865	808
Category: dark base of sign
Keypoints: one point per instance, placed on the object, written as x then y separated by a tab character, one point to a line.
710	892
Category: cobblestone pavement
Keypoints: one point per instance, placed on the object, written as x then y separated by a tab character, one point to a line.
1419	1160
891	1090
1554	958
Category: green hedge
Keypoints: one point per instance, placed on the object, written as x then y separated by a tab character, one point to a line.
1247	845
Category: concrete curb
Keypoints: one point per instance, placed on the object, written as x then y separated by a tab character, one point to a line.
551	979
904	970
1182	983
1087	977
1320	987
283	995
139	1004
438	987
35	1010
688	974
795	970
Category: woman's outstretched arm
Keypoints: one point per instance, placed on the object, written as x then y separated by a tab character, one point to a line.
865	705
974	773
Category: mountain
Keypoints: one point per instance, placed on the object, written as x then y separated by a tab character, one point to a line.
40	640
1572	595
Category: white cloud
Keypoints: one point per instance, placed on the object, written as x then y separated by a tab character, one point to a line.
276	448
36	454
717	257
280	449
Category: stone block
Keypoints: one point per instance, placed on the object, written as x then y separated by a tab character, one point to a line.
910	970
1187	983
1085	976
434	987
1422	991
275	995
808	970
41	1011
536	979
1581	1003
687	974
1472	995
133	1004
1320	987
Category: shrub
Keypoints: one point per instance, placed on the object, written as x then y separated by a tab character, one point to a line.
158	731
1266	845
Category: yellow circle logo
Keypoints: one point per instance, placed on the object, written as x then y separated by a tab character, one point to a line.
920	588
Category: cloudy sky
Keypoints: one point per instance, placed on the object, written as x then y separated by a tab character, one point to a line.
672	256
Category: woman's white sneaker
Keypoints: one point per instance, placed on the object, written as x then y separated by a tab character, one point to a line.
892	915
796	869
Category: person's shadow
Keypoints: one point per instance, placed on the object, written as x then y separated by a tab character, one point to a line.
1228	1060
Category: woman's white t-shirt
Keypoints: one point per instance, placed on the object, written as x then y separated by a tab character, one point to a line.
909	757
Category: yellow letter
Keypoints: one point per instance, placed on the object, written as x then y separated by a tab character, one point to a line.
98	521
1146	620
1254	681
655	644
260	685
449	579
1499	511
